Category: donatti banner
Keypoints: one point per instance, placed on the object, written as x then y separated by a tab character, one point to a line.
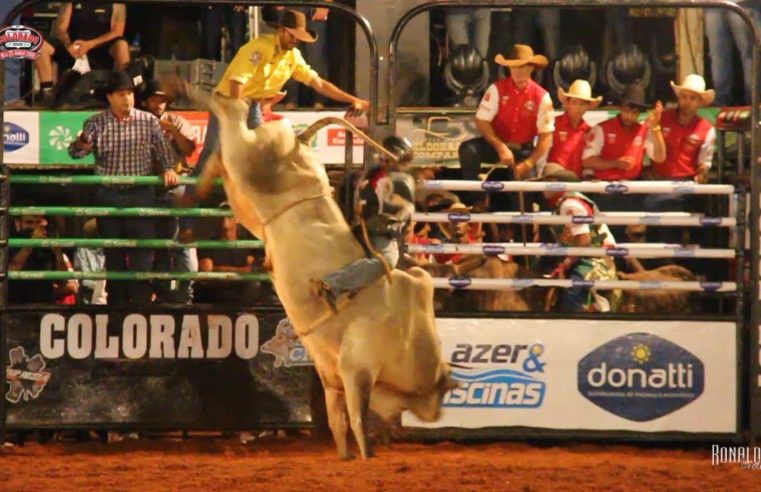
190	369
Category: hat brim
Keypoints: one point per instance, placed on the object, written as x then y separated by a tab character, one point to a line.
707	96
563	95
539	61
303	35
111	90
631	104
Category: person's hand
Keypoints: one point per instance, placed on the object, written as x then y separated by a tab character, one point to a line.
84	144
170	178
167	125
654	115
505	155
83	46
522	170
624	163
361	104
320	14
701	178
74	49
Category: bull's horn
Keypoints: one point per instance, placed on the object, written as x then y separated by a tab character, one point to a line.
318	125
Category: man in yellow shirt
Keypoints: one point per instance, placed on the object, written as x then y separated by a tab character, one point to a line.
257	74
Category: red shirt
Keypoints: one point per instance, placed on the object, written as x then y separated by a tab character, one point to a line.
568	144
686	146
610	140
516	119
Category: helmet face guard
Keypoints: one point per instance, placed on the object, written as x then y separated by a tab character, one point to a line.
400	147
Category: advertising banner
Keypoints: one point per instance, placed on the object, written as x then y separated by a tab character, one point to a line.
590	375
195	369
21	137
57	130
199	121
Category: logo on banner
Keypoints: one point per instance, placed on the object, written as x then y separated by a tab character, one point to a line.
14	137
19	42
286	347
57	131
26	376
640	377
337	138
497	376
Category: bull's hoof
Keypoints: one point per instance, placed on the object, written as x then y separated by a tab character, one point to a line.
346	456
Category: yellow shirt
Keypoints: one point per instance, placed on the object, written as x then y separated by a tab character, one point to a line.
263	68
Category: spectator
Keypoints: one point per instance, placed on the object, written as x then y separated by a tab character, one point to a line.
469	27
513	111
37	259
722	27
257	73
84	30
317	56
227	260
233	17
126	141
578	298
570	128
12	67
680	145
179	133
91	260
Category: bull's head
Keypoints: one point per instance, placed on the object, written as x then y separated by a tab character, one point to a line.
428	408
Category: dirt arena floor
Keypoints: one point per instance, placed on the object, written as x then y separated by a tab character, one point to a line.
304	464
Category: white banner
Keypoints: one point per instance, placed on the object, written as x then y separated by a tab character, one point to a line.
589	375
328	144
21	137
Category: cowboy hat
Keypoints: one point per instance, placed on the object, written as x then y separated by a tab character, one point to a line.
555	172
695	83
295	22
579	89
120	81
632	97
458	207
154	88
520	55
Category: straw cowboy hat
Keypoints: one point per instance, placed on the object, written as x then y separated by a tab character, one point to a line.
695	83
555	172
458	207
520	55
295	22
580	89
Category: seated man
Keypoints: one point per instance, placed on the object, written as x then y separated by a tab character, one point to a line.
83	29
570	127
579	298
384	205
36	259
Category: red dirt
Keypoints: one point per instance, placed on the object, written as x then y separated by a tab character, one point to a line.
305	465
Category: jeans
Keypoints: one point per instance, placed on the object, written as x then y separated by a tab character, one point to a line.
574	299
477	151
723	26
127	259
316	55
525	21
212	20
211	145
173	259
364	271
12	67
665	202
461	23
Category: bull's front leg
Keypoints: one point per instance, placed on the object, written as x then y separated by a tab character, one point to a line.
335	404
358	384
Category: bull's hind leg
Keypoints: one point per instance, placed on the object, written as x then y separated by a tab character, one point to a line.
336	407
357	386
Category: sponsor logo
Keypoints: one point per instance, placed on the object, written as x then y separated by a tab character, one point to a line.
458	217
493	249
710	221
582	283
530	106
613	188
19	42
14	137
638	142
563	135
617	251
640	377
286	347
337	138
684	187
552	186
650	220
497	376
26	376
523	282
492	186
155	336
582	219
60	137
460	282
711	286
682	252
694	139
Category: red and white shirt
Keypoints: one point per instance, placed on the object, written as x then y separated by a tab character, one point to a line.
568	144
517	116
610	140
687	146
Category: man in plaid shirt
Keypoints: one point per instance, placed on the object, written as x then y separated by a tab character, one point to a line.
126	142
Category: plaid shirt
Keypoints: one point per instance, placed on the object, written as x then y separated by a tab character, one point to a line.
125	148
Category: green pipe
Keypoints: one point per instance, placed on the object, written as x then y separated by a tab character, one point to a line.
43	275
96	180
129	243
121	212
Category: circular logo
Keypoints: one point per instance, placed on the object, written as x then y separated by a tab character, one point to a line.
650	219
617	251
493	249
583	283
458	217
711	286
555	186
582	219
60	137
492	186
460	282
616	188
710	221
19	42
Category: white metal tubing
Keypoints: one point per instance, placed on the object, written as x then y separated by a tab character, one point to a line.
608	187
540	249
522	283
655	219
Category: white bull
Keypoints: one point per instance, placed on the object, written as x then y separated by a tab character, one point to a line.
381	351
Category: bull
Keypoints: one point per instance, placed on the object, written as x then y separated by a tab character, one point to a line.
381	351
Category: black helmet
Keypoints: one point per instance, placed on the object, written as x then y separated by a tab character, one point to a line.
627	68
400	147
466	64
574	64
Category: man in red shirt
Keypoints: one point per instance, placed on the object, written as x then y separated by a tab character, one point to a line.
615	148
570	127
680	145
513	111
